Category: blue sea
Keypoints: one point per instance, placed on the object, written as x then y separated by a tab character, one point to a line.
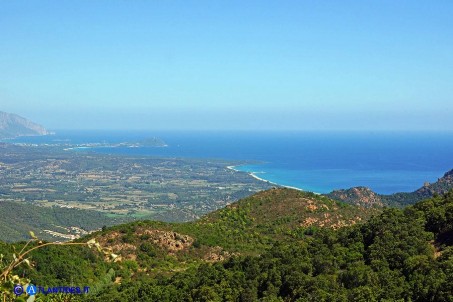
314	161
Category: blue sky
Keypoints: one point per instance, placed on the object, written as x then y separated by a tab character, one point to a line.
299	65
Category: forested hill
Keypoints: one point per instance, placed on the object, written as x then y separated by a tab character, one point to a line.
366	197
400	255
258	250
18	218
248	226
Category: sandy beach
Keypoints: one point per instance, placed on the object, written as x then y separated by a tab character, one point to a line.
253	174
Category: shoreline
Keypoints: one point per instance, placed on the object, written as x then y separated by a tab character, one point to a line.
253	174
232	168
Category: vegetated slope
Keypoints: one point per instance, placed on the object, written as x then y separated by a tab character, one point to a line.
397	255
12	125
366	197
248	226
276	213
17	219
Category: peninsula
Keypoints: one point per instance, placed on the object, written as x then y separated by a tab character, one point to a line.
13	125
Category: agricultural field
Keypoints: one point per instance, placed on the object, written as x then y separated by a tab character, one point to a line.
120	187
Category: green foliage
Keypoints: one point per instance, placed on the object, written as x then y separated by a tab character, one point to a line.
399	255
31	217
390	258
254	223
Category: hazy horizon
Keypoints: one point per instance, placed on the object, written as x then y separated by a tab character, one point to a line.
207	65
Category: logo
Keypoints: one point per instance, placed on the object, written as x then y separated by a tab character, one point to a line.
31	290
18	290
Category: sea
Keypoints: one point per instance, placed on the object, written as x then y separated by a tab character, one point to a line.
386	162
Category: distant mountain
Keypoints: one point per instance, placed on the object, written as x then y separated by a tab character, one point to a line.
12	125
366	197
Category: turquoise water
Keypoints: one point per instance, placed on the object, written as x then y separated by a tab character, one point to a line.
314	161
326	180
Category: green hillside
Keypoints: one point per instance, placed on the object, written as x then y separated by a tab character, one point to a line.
262	248
251	224
17	219
399	255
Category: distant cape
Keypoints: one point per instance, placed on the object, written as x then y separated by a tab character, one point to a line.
13	125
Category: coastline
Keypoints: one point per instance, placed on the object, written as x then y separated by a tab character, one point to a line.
253	174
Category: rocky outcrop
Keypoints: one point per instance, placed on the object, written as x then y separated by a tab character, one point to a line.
128	245
168	240
216	254
361	196
441	186
365	197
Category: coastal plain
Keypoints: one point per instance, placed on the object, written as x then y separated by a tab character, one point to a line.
121	188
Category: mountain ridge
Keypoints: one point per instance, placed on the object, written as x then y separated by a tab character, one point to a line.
364	196
13	125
